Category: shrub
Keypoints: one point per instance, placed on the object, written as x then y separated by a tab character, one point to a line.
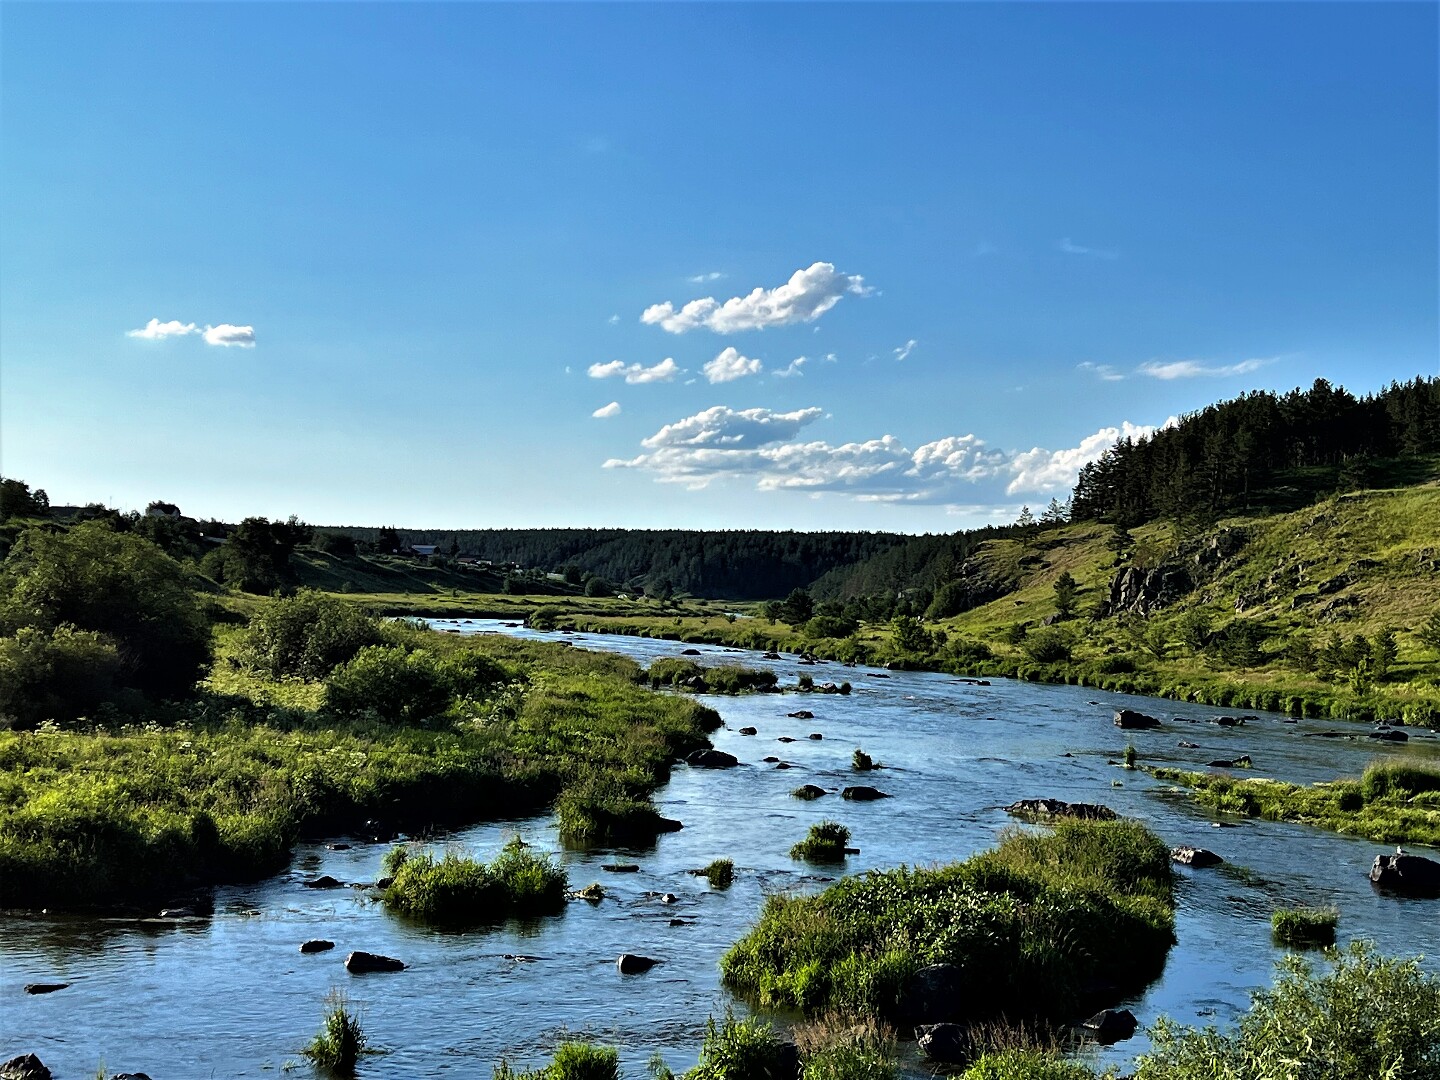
340	1042
1399	780
59	674
1304	926
542	619
1048	646
1027	1065
605	808
830	626
1367	1017
720	873
307	635
456	889
572	1061
389	683
825	843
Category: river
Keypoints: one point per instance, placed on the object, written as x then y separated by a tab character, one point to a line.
230	995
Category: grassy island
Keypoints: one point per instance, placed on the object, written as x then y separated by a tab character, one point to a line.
1041	922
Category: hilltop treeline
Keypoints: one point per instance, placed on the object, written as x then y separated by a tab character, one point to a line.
1260	450
735	564
920	564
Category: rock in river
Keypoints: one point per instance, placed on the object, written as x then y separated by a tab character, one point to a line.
633	963
324	881
712	759
861	793
316	945
1131	720
801	714
1051	809
748	731
935	994
808	791
947	1044
44	988
1197	857
24	1067
1412	875
1112	1025
363	963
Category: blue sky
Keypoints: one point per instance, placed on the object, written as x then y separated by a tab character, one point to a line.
410	263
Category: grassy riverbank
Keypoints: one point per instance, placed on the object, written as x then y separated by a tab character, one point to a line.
1393	802
219	788
1034	927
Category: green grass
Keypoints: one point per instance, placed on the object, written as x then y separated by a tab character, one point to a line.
220	788
1033	921
457	889
339	1044
1027	1065
572	1061
720	873
1304	927
720	679
825	843
738	1050
1393	802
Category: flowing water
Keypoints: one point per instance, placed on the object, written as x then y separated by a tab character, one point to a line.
230	995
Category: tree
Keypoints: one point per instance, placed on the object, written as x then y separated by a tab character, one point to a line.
1067	589
797	608
18	501
1429	633
1057	513
387	541
119	586
1384	652
597	586
909	635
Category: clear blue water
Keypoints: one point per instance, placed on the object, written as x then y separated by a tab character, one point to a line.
230	996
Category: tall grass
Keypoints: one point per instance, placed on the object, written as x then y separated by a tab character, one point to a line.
572	1061
340	1042
825	843
1304	927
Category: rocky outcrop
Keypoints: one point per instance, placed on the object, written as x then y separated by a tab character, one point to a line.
1130	720
633	963
1112	1025
24	1067
1139	591
1410	875
1197	857
1056	809
366	963
712	759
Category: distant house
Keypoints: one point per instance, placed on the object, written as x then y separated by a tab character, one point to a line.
162	509
424	551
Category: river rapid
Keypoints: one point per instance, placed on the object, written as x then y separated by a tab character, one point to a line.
230	995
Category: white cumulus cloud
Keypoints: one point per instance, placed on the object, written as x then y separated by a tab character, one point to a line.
792	370
225	334
723	426
607	411
664	371
905	350
1106	372
155	330
705	279
804	298
1056	470
730	365
1190	369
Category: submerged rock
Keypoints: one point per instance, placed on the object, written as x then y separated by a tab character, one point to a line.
748	731
1051	809
808	791
712	759
633	963
316	945
1411	875
862	793
801	714
1197	857
1112	1025
44	988
1229	721
594	892
365	963
1389	735
946	1044
620	868
1130	720
324	881
1242	762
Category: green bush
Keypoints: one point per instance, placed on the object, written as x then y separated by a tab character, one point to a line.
572	1061
1304	926
390	684
307	635
826	842
830	626
1400	780
849	1060
1035	920
606	808
340	1042
720	873
1027	1065
59	674
1048	646
1367	1017
456	889
739	1050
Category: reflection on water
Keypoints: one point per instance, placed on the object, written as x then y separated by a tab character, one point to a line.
231	996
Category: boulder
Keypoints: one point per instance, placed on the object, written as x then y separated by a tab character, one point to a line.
785	738
316	945
945	1044
801	714
770	656
816	736
808	791
44	988
1411	875
365	963
712	759
1112	1025
620	868
145	1076
666	824
690	652
861	793
1052	809
594	892
1197	857
1228	721
24	1067
1130	720
770	759
1188	745
633	963
1390	735
324	881
1242	762
748	731
934	994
